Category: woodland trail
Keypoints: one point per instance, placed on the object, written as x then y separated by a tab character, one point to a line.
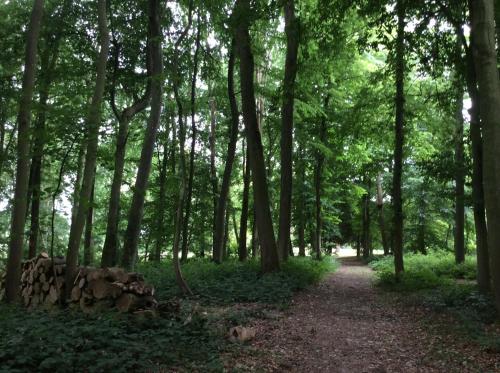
345	324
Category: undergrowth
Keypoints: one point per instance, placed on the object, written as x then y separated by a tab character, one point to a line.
436	282
187	340
234	281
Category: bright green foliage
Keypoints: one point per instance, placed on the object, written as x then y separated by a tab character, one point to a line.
425	271
234	281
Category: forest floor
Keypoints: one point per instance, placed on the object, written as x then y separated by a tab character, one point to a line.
346	324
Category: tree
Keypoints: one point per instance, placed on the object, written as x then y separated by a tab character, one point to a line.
23	142
292	34
399	141
92	133
241	22
231	150
485	62
143	170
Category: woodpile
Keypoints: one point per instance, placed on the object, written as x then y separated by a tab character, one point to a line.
94	289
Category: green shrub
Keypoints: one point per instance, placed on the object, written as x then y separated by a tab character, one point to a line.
234	281
424	271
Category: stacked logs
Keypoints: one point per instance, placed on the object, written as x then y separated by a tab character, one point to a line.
42	281
94	289
101	288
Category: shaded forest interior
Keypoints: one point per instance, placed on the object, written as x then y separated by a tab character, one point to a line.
174	160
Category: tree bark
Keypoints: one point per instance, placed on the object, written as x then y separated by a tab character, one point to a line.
88	242
301	202
131	237
184	248
78	181
92	123
23	143
242	243
292	31
318	173
459	243
269	255
231	150
381	217
213	172
398	143
483	262
485	61
366	222
110	248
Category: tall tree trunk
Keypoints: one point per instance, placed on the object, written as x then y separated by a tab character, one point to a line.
185	228
318	173
398	143
92	123
301	205
225	252
88	242
459	243
270	258
366	222
485	61
483	262
110	249
162	180
242	242
23	144
78	181
131	237
182	161
381	217
231	150
292	47
213	172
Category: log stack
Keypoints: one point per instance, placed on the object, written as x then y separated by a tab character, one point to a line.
94	289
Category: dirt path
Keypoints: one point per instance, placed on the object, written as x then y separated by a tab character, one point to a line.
345	324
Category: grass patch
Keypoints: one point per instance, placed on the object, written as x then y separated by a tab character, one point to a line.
235	282
189	340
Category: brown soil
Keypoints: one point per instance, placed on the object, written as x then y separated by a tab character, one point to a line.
345	324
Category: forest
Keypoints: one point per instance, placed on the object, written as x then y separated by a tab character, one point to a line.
249	185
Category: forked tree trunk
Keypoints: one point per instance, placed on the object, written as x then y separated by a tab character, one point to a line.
23	144
397	199
291	30
131	237
92	122
270	258
485	61
110	249
185	227
231	150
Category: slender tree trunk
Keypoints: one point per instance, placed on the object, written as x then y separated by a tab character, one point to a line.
366	222
225	252
398	143
485	62
483	265
231	150
185	228
88	242
242	242
318	172
301	205
78	181
131	237
92	123
270	258
459	242
23	144
292	34
255	234
213	172
381	217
